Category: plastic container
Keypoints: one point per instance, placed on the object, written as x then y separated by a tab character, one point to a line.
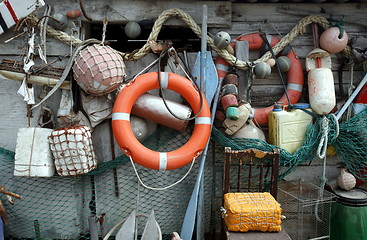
287	128
348	215
321	90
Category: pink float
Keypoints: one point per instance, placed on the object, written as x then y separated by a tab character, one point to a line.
332	41
99	69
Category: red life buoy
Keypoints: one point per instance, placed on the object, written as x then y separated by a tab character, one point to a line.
145	156
294	74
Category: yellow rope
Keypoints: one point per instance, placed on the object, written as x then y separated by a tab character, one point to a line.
299	29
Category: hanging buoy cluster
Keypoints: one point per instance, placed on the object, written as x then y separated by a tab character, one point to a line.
294	73
229	96
321	88
234	115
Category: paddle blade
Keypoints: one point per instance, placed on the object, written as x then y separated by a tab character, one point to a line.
210	75
127	230
152	230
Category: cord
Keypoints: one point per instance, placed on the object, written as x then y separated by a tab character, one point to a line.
162	93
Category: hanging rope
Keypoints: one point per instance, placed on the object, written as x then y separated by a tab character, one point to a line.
299	29
321	150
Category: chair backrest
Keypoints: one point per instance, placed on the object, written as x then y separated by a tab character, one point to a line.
251	170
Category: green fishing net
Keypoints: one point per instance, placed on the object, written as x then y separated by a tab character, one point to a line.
62	207
349	139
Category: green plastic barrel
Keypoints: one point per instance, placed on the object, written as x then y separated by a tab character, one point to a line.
349	215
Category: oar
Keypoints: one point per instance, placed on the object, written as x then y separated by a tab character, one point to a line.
210	86
204	68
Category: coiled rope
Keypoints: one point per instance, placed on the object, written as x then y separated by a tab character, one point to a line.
299	29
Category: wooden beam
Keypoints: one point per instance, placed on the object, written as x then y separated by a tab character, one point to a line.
34	79
219	12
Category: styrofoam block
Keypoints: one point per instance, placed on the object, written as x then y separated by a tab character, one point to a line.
33	157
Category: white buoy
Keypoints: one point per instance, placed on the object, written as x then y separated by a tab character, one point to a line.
284	63
222	39
321	90
249	131
262	70
141	127
318	58
132	29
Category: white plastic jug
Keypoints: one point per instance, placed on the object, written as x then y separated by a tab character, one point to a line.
287	128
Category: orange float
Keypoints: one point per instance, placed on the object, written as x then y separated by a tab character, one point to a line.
294	74
145	156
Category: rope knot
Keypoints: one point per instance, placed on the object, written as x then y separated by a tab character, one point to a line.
333	129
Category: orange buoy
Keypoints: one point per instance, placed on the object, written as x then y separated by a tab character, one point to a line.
72	14
294	74
147	157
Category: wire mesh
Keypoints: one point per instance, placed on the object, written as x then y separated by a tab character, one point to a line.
307	210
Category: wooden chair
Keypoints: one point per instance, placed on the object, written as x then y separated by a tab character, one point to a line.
251	170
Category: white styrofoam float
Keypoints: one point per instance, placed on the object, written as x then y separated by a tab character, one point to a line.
33	157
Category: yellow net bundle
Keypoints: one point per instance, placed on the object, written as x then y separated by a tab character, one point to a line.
252	212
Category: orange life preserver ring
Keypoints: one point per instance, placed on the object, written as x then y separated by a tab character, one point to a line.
294	74
145	156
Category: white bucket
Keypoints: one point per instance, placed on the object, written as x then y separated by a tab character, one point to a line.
321	90
33	157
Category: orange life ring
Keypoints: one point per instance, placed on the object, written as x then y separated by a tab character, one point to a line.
294	74
145	156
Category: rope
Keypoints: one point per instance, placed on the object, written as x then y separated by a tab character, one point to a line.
161	92
321	150
163	17
59	35
299	29
162	188
43	36
105	22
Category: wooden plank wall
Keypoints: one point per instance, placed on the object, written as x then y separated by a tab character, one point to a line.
235	18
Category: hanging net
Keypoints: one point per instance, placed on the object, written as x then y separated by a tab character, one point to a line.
59	207
349	140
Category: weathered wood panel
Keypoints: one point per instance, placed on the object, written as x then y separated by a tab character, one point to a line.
236	19
219	12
